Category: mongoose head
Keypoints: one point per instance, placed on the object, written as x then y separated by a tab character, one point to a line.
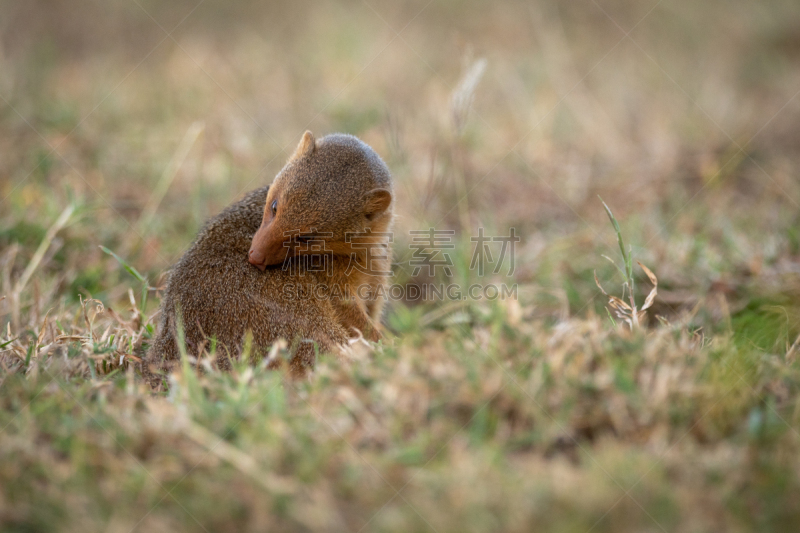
329	190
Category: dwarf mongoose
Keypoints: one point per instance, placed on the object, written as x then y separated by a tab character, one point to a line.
305	259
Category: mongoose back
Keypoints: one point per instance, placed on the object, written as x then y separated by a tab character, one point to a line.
304	259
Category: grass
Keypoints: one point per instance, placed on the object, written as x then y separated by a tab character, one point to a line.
536	413
630	314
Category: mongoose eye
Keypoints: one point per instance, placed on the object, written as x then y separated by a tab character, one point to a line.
274	207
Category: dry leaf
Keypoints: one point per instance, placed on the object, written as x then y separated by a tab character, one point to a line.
598	284
618	303
42	331
650	297
654	280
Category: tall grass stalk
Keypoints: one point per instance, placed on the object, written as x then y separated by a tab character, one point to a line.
627	312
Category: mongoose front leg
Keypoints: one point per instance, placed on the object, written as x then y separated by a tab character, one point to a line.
353	316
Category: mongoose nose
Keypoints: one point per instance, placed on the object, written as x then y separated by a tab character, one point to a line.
256	259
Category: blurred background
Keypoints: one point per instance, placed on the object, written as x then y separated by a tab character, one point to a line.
128	123
683	116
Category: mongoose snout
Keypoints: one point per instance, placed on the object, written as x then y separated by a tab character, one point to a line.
265	251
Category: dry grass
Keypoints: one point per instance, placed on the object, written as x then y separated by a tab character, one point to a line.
533	414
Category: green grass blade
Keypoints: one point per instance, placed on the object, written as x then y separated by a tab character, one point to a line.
131	270
611	318
629	263
622	272
8	342
625	258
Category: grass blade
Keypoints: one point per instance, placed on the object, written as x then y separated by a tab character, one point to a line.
8	342
131	270
614	222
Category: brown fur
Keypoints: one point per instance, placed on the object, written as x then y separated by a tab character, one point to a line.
328	186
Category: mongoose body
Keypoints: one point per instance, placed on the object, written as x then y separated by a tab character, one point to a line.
252	267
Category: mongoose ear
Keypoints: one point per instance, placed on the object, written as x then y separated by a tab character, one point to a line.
306	147
377	202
